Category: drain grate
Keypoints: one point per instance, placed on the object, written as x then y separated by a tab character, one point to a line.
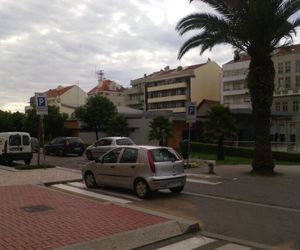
36	208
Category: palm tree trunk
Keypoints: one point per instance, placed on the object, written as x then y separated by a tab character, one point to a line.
261	85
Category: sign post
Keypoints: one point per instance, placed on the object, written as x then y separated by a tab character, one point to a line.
191	115
41	110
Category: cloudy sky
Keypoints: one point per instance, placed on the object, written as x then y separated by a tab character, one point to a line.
46	43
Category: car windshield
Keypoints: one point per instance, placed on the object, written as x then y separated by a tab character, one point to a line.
124	142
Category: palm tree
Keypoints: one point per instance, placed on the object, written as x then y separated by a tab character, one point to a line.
160	129
219	126
256	27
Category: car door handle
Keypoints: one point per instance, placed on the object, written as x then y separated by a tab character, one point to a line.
112	166
132	166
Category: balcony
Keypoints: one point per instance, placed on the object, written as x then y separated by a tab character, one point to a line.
168	99
235	92
175	110
133	91
168	86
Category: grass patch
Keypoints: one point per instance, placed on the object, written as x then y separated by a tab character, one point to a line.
232	160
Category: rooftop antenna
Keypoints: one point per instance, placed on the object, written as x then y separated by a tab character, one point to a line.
100	74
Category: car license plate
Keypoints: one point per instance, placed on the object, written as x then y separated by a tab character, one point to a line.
175	184
76	148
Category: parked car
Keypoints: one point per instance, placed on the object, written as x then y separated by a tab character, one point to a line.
34	144
104	144
64	145
141	168
15	146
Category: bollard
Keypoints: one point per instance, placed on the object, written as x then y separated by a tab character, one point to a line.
211	168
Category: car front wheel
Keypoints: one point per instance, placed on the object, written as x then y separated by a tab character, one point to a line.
141	189
89	180
176	190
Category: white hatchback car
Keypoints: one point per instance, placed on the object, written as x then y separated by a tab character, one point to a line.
140	168
105	144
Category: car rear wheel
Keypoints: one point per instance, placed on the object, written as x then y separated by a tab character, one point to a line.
141	189
176	190
89	180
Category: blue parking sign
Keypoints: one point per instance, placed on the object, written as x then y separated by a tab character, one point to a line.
41	101
191	112
41	104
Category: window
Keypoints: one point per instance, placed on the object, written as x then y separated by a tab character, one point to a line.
280	67
124	142
280	82
287	67
298	81
103	142
112	156
129	155
277	106
15	140
292	133
284	106
288	82
297	65
26	140
162	155
295	106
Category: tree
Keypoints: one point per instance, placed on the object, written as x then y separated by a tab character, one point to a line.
256	27
53	123
220	125
160	129
96	113
118	126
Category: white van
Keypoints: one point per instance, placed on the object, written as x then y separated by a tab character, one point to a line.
15	146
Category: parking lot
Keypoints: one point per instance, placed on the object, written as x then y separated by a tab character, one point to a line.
70	161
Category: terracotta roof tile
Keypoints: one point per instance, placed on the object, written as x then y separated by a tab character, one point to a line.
105	85
58	91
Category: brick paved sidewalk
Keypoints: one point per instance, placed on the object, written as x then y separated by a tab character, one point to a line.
69	220
37	176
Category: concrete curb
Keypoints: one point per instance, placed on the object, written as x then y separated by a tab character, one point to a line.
49	183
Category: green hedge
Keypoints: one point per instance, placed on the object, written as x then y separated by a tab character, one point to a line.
242	152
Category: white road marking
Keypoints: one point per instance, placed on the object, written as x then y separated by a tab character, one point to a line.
244	202
203	181
203	175
82	185
188	244
77	184
232	246
91	194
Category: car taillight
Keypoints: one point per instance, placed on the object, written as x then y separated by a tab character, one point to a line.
151	162
5	147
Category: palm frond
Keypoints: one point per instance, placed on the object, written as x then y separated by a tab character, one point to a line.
201	21
206	40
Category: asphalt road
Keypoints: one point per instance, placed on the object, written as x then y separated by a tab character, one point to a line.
257	209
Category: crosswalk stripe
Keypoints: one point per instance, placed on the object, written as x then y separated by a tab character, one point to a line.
91	194
188	244
203	182
81	185
232	246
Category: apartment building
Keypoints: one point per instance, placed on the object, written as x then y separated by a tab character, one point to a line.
286	99
171	89
66	98
110	89
135	96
